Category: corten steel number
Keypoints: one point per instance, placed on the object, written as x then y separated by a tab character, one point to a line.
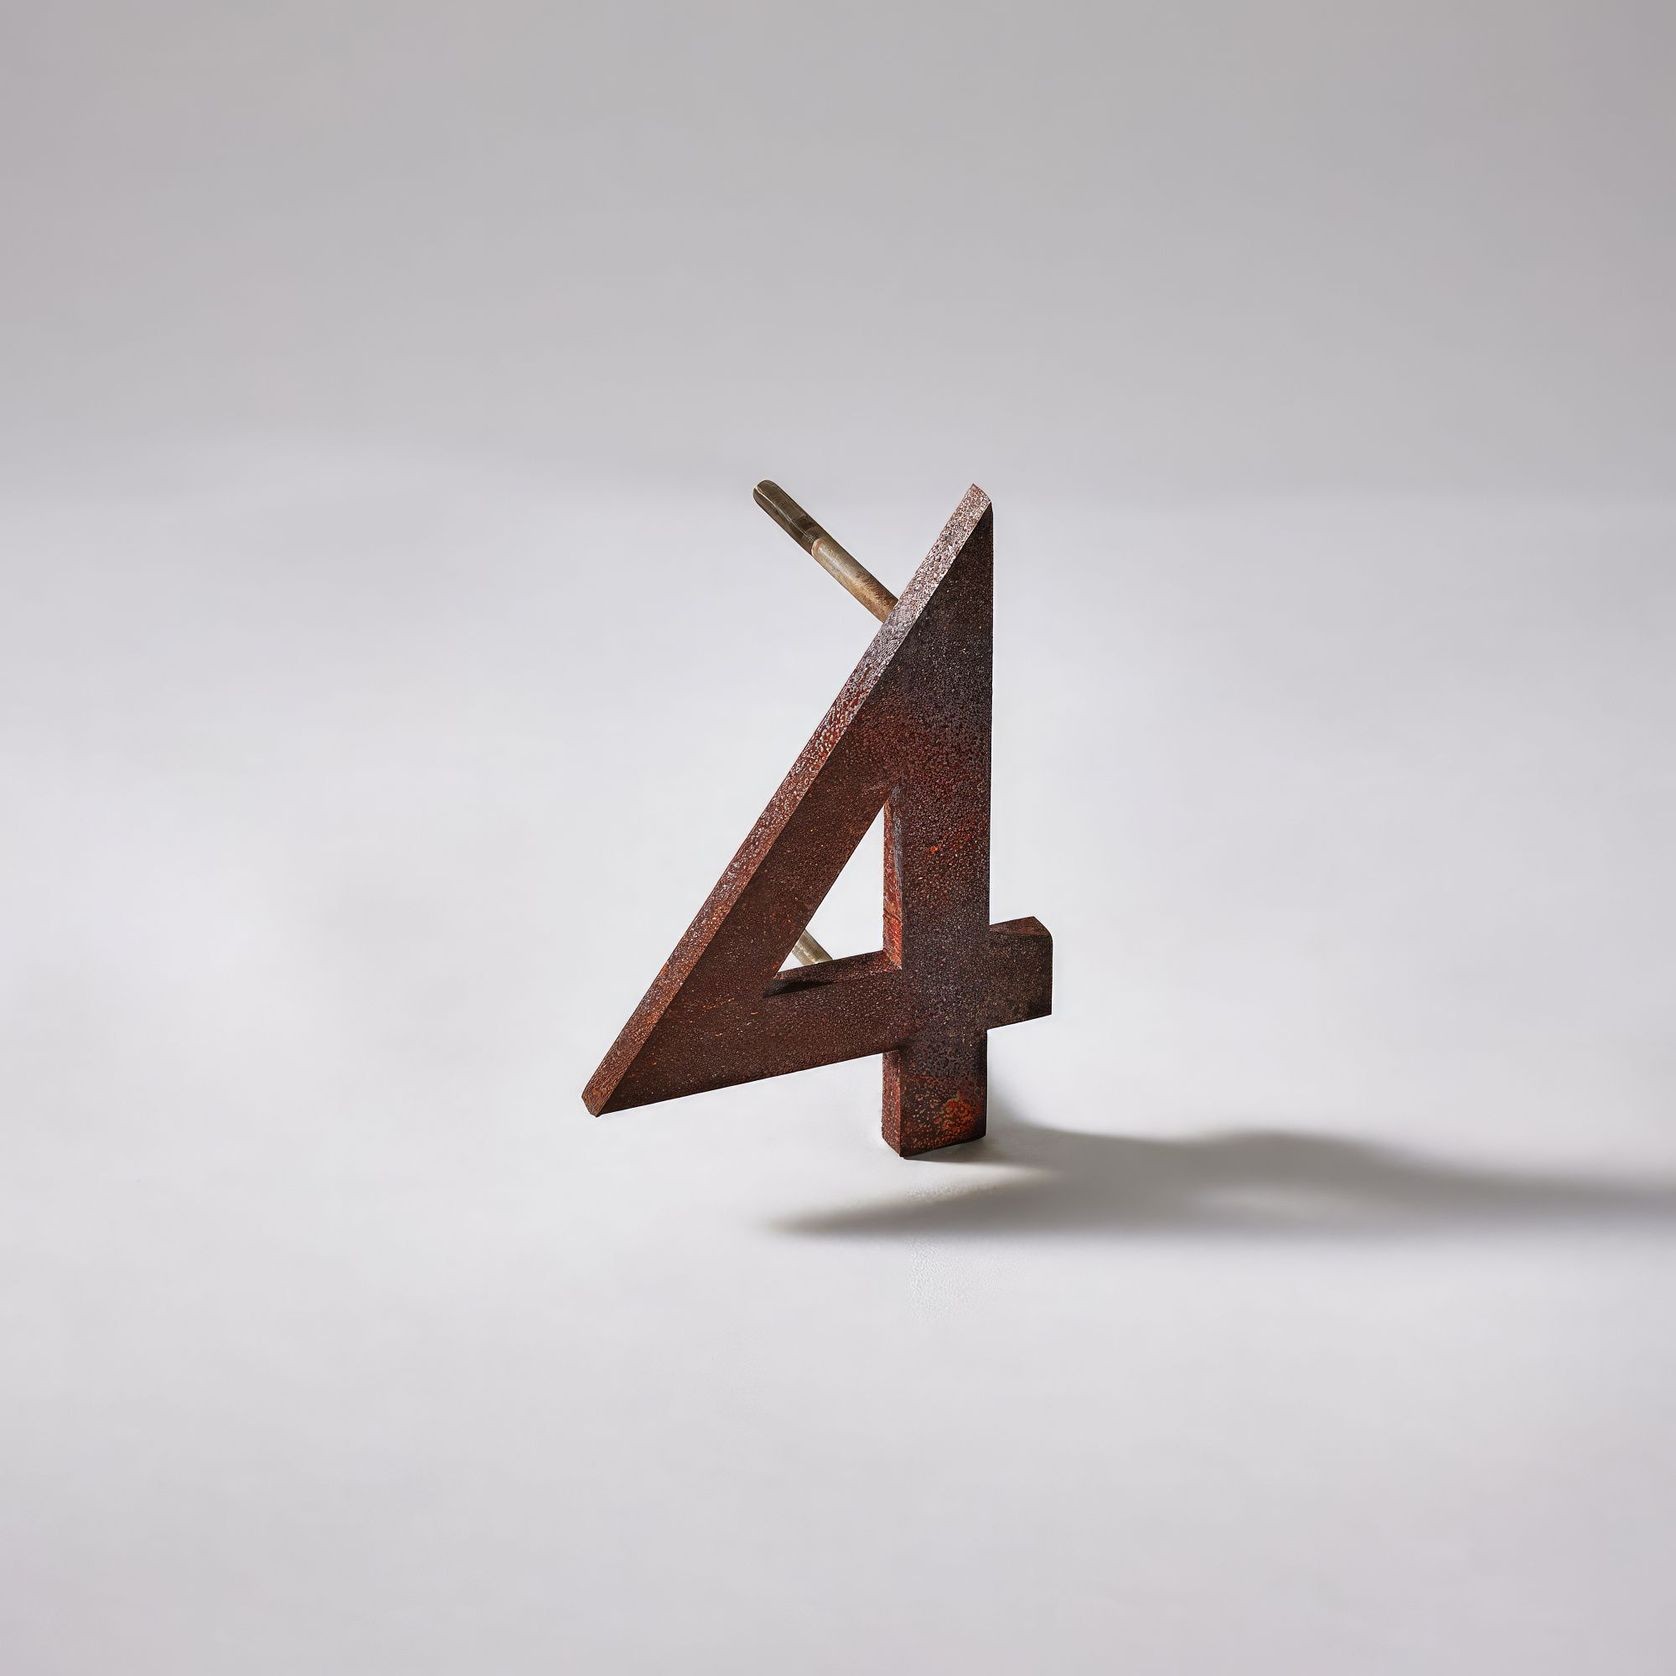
909	734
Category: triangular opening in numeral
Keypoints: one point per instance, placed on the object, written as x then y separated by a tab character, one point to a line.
850	918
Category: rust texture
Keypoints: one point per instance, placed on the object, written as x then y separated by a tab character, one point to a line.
908	733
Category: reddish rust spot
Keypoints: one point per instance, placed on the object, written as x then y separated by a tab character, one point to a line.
956	1116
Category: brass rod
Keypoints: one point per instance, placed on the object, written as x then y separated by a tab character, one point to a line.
852	575
808	952
847	570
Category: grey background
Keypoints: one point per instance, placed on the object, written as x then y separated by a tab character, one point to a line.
391	657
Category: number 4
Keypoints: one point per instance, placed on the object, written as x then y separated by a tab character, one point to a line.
909	733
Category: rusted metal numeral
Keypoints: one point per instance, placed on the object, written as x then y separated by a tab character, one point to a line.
909	733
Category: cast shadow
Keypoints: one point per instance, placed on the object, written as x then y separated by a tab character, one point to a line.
1244	1184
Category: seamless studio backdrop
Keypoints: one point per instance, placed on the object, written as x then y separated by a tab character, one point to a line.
391	658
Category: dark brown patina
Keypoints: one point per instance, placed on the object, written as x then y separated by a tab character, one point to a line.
909	734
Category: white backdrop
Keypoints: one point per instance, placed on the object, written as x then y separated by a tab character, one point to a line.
391	658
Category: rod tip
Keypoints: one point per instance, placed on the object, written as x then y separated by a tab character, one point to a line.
787	514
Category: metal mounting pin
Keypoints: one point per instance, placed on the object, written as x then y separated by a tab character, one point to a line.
852	575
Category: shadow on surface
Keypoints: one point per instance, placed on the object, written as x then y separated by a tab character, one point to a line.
1250	1184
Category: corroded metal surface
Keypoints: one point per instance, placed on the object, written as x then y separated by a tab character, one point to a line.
909	733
